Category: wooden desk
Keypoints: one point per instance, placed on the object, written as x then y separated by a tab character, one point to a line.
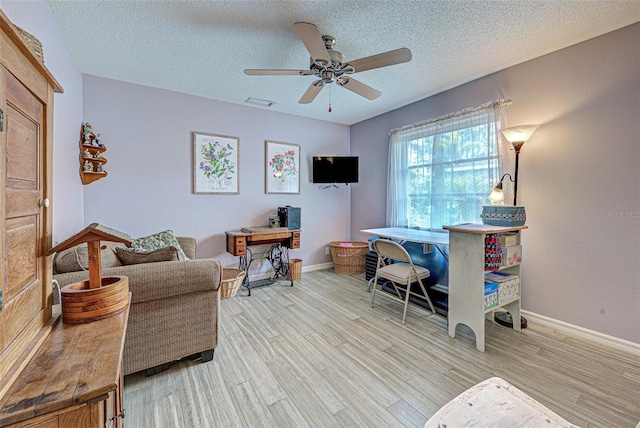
73	380
238	240
280	238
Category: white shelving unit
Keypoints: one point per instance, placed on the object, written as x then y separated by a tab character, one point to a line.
466	279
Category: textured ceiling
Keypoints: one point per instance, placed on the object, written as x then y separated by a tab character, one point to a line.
202	47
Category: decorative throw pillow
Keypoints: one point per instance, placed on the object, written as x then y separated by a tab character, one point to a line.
76	258
157	241
130	256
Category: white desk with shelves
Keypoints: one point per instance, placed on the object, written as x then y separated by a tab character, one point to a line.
466	271
466	278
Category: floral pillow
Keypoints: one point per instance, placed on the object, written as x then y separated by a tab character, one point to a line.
157	241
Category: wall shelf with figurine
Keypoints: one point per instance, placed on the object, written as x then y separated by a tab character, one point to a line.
92	158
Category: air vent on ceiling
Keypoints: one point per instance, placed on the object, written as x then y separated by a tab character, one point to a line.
259	102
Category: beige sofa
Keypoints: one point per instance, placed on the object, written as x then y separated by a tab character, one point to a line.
174	304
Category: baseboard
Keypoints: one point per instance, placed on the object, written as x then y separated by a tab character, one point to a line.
583	333
321	266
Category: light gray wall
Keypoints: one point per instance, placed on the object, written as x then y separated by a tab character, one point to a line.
37	18
148	135
579	176
578	180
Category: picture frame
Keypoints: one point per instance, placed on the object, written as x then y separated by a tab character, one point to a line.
215	163
282	167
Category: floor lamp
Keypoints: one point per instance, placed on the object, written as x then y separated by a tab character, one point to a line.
517	136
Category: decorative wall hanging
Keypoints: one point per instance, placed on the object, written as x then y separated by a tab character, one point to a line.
282	167
92	158
215	163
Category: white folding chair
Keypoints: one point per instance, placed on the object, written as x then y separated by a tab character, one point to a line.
402	273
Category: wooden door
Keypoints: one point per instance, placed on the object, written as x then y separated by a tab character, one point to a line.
22	183
26	99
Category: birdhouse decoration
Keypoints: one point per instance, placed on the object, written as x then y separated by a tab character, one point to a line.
98	297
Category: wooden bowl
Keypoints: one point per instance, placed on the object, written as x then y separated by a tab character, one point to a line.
81	304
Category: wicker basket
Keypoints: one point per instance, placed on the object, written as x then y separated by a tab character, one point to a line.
295	269
231	280
349	257
501	215
33	43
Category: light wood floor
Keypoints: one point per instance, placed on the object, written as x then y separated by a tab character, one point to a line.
317	355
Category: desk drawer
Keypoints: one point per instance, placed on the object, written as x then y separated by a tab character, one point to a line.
236	245
268	237
295	240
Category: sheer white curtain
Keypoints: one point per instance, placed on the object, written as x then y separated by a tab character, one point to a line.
441	170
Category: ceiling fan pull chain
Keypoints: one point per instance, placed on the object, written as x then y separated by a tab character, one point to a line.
329	99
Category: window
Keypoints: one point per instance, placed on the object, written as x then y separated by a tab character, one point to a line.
441	171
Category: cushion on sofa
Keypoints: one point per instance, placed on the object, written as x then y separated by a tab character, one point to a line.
132	256
157	241
76	258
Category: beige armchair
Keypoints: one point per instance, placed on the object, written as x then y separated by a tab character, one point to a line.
174	305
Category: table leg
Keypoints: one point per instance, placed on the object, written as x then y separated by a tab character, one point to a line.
279	259
287	271
243	265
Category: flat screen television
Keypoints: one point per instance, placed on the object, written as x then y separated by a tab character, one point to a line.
335	169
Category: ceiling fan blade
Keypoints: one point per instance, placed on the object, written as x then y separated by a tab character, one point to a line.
276	72
311	93
358	88
313	41
397	56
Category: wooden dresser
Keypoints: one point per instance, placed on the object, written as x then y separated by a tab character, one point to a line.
74	380
51	374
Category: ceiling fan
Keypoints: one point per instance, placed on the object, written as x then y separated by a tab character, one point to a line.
330	66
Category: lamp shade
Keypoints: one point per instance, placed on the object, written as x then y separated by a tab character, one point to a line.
496	197
520	133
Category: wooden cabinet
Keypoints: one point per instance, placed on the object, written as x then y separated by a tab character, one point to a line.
467	279
74	380
26	158
92	158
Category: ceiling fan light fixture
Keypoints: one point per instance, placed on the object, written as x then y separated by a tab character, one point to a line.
329	65
259	102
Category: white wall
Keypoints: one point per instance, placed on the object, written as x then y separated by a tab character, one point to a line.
579	176
148	135
37	18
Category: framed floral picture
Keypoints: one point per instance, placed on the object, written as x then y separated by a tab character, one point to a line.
282	167
215	163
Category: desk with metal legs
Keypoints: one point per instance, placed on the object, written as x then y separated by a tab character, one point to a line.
402	234
280	238
412	235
